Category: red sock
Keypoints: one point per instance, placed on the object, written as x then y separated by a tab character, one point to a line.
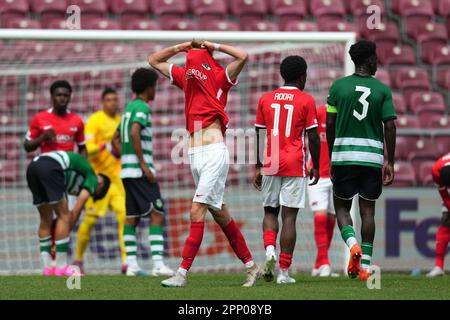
237	241
270	238
285	261
331	222
321	237
192	244
442	239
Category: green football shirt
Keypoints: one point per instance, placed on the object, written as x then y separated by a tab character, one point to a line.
78	173
136	111
362	103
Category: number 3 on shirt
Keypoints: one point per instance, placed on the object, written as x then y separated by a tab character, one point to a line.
276	124
364	102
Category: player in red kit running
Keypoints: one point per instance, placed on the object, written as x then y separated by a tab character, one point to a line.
206	84
320	198
441	176
287	113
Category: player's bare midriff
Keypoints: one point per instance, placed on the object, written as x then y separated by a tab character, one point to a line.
208	135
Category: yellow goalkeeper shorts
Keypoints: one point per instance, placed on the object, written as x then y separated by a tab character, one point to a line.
114	200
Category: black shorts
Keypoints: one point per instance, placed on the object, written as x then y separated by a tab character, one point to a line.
142	197
350	180
45	178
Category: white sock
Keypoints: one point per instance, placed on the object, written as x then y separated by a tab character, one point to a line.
46	259
270	251
158	263
285	272
132	262
249	264
351	242
183	272
61	260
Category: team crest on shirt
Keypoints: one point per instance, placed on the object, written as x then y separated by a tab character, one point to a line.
206	66
73	129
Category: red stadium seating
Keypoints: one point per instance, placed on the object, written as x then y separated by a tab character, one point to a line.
411	77
399	103
80	52
209	8
359	7
139	24
437	54
443	78
442	144
168	7
383	76
424	32
111	52
296	8
407	121
404	175
97	8
387	31
327	8
15	7
423	170
302	26
9	171
218	25
22	23
249	7
43	6
258	25
434	121
99	24
177	24
407	8
336	25
389	53
443	8
423	149
427	102
128	6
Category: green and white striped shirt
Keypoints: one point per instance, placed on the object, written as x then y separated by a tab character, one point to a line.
136	111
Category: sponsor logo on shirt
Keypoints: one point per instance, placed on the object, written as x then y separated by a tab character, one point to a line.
194	73
206	66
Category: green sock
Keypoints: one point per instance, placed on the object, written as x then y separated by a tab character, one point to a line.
367	249
129	237
348	234
156	240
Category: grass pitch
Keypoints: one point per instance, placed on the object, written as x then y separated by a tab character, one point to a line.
223	287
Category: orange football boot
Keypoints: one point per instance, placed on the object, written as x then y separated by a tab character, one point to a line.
354	262
364	275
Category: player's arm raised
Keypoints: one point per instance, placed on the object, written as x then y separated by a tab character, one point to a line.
240	57
158	60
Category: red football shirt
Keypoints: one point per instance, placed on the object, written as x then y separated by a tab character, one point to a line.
69	130
206	84
436	172
322	129
286	113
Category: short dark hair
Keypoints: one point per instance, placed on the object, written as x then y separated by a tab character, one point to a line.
108	90
362	50
292	68
60	84
143	78
445	176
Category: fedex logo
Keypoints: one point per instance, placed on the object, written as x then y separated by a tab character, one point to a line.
398	223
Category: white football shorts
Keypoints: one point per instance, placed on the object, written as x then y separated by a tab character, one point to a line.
285	191
209	167
320	196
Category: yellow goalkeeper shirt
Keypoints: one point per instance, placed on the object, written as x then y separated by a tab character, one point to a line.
99	130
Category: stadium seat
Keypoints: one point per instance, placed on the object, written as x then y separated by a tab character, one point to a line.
9	171
359	7
55	23
218	25
442	144
383	76
420	102
22	23
139	24
120	7
99	24
443	78
258	25
111	52
387	31
48	6
389	53
434	121
301	26
248	8
423	170
411	77
11	147
327	8
177	24
335	25
404	175
443	8
14	7
399	103
168	7
80	52
91	8
407	121
423	149
424	32
407	8
209	8
437	54
282	8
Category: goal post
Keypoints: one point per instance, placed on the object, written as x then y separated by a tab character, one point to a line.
92	60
